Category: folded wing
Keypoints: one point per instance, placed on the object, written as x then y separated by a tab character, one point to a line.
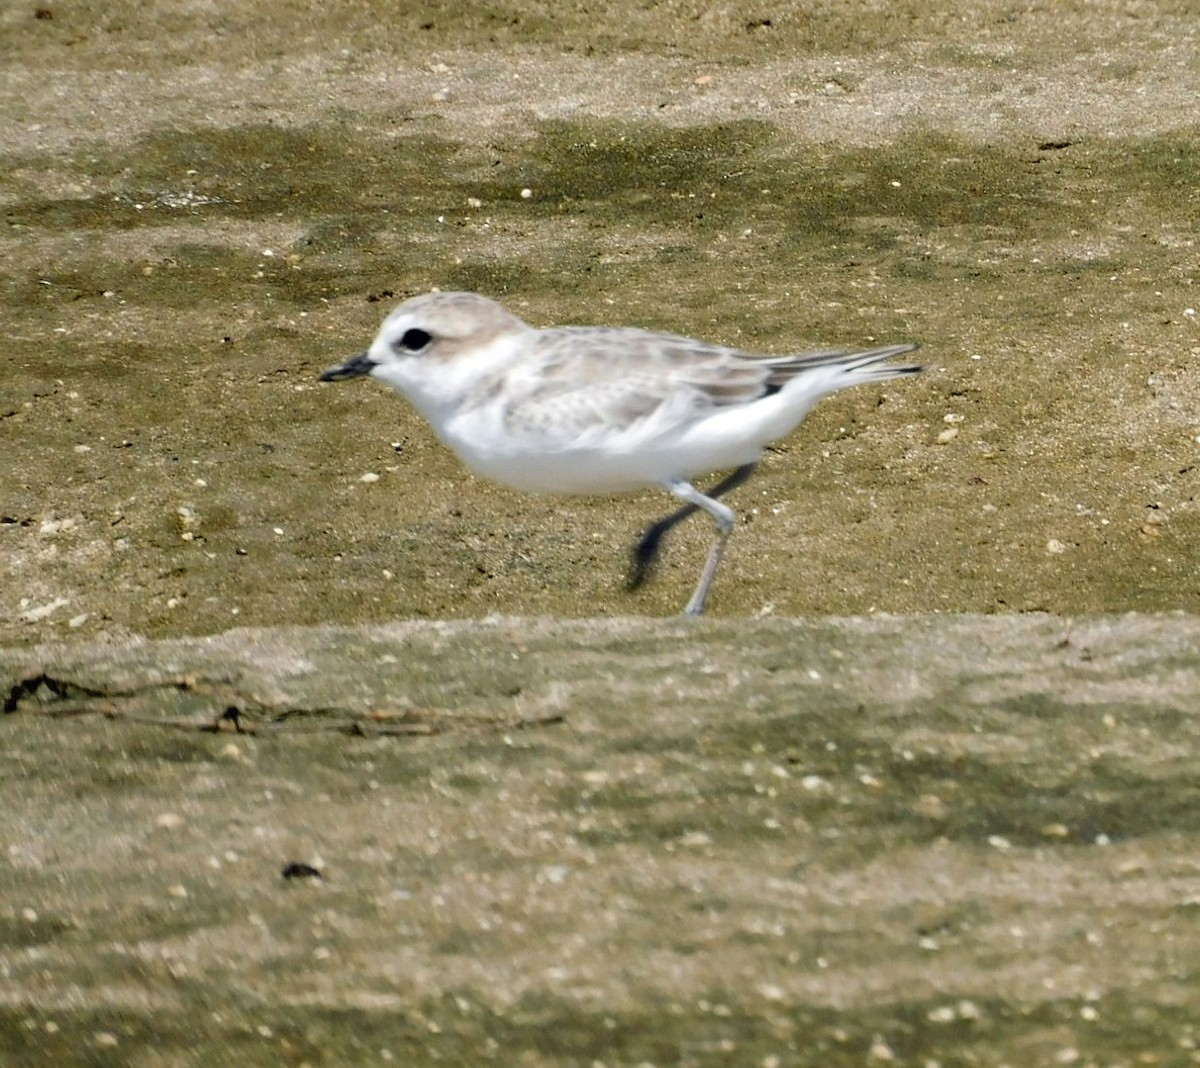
591	385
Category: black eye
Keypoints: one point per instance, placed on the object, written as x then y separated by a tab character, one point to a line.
414	340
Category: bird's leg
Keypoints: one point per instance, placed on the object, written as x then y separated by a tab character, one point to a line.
723	516
645	552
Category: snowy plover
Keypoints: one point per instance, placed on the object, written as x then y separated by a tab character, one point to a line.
602	409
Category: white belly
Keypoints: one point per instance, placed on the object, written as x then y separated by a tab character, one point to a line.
611	466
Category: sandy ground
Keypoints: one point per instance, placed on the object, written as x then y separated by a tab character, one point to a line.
205	209
958	840
641	842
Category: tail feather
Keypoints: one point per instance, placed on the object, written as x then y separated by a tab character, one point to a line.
844	368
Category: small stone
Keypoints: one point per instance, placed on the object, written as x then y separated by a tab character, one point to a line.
881	1051
968	1010
36	615
169	821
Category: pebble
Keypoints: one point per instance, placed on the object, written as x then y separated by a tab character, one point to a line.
36	615
881	1051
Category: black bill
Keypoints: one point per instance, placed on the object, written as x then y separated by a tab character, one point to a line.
354	367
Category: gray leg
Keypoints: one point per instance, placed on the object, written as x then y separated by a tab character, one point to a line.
723	516
645	552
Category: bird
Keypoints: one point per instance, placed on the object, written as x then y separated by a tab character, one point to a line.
603	410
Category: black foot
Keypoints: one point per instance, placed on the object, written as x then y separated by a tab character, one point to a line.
645	552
